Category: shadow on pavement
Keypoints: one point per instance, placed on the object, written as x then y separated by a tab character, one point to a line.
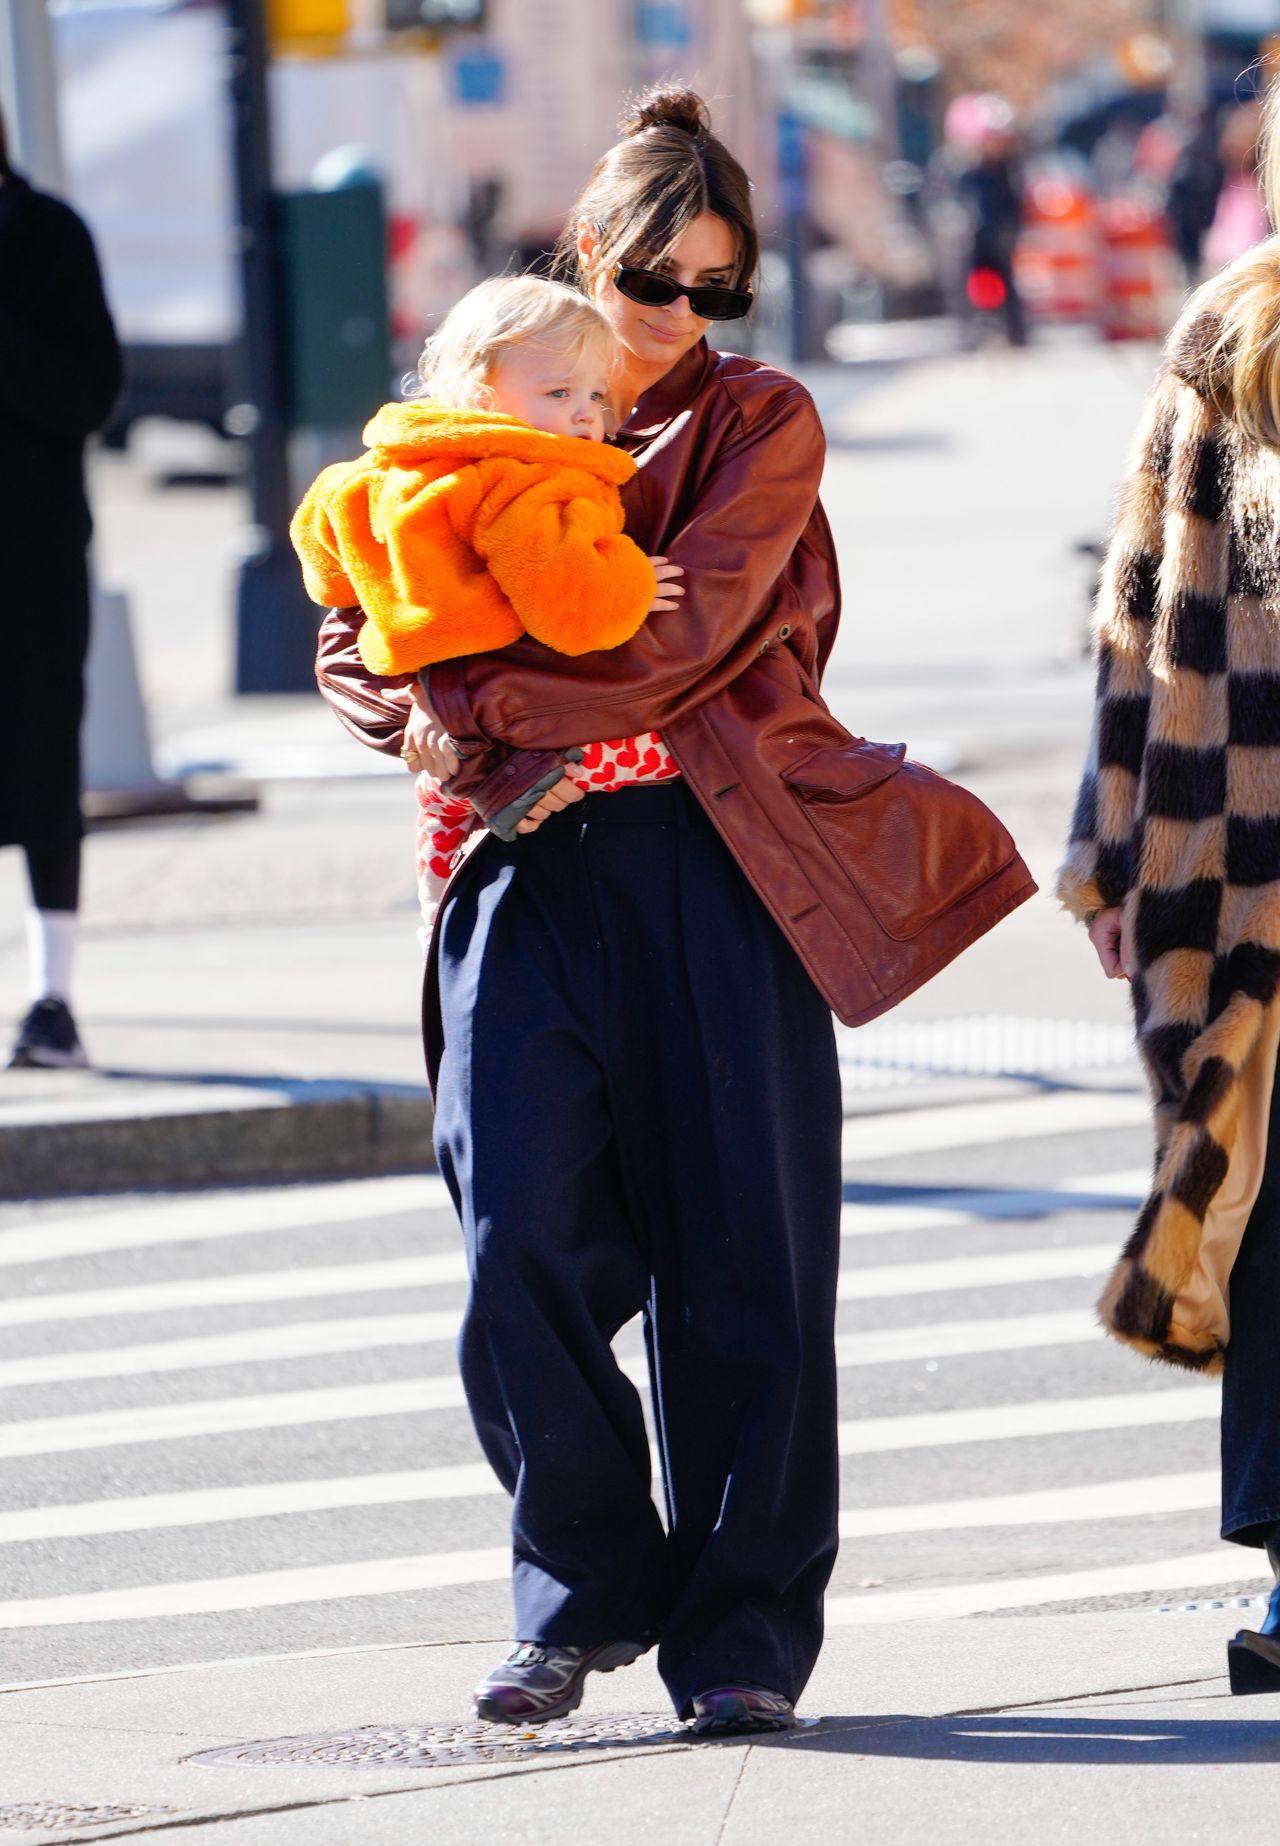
1118	1740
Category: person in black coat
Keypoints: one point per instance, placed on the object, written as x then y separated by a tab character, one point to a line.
60	374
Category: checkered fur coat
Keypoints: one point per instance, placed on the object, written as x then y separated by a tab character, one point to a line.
1178	820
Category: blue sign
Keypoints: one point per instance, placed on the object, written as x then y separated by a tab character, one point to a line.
793	162
663	25
479	77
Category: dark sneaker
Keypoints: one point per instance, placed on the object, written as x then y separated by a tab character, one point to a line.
737	1711
537	1681
47	1039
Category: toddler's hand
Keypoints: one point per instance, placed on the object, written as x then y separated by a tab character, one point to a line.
426	742
1110	937
669	590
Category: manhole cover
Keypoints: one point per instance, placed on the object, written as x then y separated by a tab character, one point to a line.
61	1816
445	1746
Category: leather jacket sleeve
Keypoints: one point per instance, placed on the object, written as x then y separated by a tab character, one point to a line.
376	710
758	497
372	709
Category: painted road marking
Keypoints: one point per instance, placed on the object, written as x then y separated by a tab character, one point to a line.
1170	1493
212	1505
998	1269
218	1215
921	1131
406	1397
373	1333
263	1589
392	1576
1008	1422
287	1340
1202	1570
238	1290
1164	1493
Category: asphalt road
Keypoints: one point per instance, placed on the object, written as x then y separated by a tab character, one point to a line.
232	1424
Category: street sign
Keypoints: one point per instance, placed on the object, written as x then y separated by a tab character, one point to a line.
479	76
663	25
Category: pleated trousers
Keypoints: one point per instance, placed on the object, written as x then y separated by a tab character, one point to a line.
638	1113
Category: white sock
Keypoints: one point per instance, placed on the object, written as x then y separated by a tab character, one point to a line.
51	942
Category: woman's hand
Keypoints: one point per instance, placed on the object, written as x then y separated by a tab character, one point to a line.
427	745
669	590
1109	935
563	795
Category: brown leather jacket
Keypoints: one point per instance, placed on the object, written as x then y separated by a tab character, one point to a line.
730	458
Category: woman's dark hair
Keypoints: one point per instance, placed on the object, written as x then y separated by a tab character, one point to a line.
4	150
667	170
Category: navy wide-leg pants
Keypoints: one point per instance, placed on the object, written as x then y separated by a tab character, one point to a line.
1250	1425
638	1112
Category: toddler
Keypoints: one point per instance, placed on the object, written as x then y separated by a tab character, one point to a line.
479	513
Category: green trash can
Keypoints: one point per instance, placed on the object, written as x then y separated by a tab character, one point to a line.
333	249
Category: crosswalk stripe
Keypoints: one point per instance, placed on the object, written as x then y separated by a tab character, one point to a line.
103	1429
214	1505
392	1576
241	1289
950	1338
402	1397
1202	1570
1164	1493
998	1269
251	1345
955	1211
374	1333
217	1215
1171	1493
922	1131
262	1589
1008	1422
397	1273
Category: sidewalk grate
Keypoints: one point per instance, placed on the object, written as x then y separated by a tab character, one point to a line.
447	1746
1205	1608
894	1053
61	1816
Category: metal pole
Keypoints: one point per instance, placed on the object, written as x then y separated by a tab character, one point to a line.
29	93
275	622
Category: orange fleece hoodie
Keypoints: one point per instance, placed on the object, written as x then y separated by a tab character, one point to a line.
460	530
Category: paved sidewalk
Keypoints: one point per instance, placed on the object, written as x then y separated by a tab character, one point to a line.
918	1734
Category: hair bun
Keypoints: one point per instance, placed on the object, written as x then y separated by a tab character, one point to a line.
666	106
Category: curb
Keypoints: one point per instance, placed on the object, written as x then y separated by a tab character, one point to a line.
363	1132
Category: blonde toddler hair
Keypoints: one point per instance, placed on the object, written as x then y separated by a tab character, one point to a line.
509	311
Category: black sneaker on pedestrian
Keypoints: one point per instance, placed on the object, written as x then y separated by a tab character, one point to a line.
47	1039
739	1711
537	1681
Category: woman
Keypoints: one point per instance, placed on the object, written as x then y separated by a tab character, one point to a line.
59	376
637	1100
1174	864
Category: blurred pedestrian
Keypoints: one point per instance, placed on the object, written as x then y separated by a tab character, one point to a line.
1174	864
1194	183
989	186
59	377
1240	216
628	1008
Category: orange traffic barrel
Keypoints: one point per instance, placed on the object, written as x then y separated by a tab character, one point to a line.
1140	271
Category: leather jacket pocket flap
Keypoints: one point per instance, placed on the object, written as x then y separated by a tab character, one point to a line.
841	771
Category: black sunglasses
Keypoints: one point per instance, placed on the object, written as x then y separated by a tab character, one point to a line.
654	291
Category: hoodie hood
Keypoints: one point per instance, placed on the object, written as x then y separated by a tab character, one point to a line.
421	430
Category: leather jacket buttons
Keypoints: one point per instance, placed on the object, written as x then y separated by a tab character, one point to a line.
784	631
